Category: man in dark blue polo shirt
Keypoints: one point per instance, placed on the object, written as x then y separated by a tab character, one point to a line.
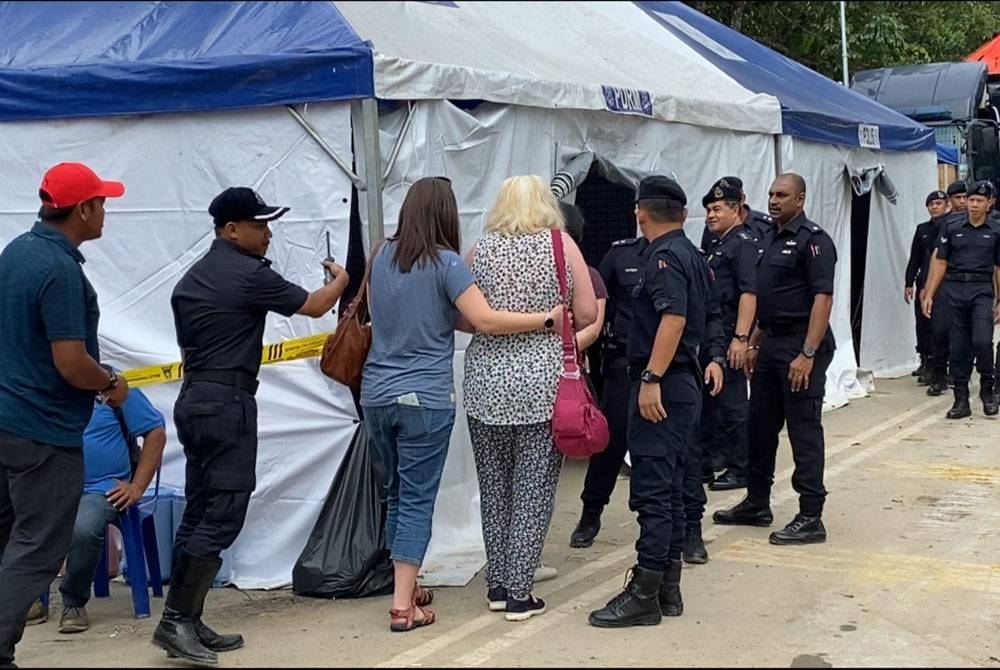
220	308
49	376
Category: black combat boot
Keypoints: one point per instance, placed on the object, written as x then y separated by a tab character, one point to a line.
987	393
637	605
803	529
670	590
177	633
587	528
920	370
961	408
924	373
209	638
939	382
745	513
694	546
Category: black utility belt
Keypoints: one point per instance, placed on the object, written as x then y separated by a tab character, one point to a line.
970	277
779	329
690	368
233	378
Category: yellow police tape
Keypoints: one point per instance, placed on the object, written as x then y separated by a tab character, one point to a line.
289	350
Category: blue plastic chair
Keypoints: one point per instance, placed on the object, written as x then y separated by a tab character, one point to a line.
139	538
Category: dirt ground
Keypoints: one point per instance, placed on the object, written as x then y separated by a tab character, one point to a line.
909	577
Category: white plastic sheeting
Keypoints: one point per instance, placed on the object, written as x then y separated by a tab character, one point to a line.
172	166
556	55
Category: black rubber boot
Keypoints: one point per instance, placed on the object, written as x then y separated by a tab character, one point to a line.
671	603
924	374
209	638
587	528
961	408
920	370
987	393
694	546
177	633
939	383
637	605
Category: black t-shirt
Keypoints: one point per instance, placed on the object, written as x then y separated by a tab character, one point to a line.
220	307
797	265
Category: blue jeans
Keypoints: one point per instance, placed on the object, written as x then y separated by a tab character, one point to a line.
92	519
410	445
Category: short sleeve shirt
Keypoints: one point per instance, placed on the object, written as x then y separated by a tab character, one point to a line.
105	451
413	330
220	308
970	249
621	270
600	290
733	260
45	297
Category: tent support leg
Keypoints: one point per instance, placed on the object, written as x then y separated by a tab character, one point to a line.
411	108
373	171
777	156
355	179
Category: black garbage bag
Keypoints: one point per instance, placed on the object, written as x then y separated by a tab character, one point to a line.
345	555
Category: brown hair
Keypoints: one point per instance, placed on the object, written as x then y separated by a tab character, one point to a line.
428	222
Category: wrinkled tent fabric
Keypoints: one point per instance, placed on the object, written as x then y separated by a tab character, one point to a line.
143	57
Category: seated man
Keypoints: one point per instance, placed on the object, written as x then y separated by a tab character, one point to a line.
110	487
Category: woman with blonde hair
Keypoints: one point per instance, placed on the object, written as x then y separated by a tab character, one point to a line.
418	287
510	385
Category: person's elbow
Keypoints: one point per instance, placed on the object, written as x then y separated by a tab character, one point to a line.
68	357
585	314
489	323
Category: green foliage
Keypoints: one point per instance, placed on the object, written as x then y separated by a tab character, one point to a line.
878	33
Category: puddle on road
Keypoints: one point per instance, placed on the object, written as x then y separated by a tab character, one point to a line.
810	661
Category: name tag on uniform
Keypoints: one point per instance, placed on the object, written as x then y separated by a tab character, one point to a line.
788	252
631	269
791	243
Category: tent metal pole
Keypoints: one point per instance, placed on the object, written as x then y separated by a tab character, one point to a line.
373	170
355	179
411	108
777	156
843	38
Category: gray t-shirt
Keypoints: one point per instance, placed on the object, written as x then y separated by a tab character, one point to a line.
413	331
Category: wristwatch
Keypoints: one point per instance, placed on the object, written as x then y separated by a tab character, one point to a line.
741	338
808	351
719	360
650	377
112	382
549	322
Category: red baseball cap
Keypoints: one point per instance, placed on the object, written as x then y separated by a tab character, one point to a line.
67	184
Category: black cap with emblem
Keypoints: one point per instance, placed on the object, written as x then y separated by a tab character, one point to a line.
724	189
658	187
957	188
935	195
983	188
239	203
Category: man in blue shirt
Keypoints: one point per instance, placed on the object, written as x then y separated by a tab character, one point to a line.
49	375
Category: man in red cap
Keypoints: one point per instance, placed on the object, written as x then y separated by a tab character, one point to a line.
49	376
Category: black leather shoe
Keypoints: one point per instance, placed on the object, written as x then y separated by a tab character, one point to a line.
987	393
637	605
671	603
961	408
214	641
694	547
745	513
727	481
936	388
586	530
803	529
177	635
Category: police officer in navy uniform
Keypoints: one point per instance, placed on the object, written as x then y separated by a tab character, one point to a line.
757	224
621	271
220	307
787	360
965	270
917	268
667	327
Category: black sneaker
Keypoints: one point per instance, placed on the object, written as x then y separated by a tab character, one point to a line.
522	610
803	529
497	599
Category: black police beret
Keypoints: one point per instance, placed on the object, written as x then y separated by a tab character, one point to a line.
957	187
735	181
935	195
724	189
240	203
658	187
983	188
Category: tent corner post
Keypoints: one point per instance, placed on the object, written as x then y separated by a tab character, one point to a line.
373	170
778	169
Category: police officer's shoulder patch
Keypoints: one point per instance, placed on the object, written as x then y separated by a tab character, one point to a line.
743	235
627	241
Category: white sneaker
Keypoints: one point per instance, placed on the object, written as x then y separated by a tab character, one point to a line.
545	572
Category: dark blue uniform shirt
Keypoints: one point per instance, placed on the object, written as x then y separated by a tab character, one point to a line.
758	224
621	270
45	297
675	280
970	249
797	265
220	308
924	242
733	261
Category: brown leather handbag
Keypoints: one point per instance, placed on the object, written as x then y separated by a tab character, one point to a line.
346	349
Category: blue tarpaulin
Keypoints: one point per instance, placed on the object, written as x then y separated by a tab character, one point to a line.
813	107
71	59
947	153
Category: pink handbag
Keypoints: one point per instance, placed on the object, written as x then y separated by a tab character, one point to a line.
579	429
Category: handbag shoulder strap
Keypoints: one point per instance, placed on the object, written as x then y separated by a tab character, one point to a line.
568	341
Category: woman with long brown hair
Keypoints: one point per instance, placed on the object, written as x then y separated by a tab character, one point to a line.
419	285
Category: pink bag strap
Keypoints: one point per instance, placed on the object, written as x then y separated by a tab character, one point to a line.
569	342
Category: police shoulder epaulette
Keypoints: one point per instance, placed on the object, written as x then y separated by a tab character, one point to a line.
744	235
625	242
813	228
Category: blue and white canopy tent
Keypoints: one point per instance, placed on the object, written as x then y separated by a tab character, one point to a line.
180	99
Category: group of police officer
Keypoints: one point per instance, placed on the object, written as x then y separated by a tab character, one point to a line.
687	328
953	278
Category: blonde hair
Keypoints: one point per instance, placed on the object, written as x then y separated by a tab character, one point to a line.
524	206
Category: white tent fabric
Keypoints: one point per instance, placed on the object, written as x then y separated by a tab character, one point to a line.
172	166
551	54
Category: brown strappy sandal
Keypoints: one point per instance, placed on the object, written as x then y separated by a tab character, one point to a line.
401	621
422	597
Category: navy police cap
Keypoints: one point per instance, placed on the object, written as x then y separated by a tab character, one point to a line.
724	189
935	195
957	188
658	187
983	188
